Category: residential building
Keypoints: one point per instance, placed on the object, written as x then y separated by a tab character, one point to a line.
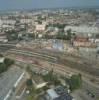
82	29
40	27
3	37
83	42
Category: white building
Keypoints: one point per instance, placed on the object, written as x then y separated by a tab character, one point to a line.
8	26
7	22
82	29
25	21
3	37
40	27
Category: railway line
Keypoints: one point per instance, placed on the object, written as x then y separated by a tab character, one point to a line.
84	67
33	55
57	54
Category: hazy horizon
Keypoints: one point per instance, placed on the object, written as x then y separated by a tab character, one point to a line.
37	4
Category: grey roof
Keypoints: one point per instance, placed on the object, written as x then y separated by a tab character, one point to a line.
52	94
7	80
59	93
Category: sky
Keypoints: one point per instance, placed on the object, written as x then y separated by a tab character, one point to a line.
30	4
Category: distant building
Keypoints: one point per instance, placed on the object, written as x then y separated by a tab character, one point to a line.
82	29
8	22
3	37
25	21
58	45
83	42
40	27
8	27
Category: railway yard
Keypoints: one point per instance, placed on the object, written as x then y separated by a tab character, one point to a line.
62	64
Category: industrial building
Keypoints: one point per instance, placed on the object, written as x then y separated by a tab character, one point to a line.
59	93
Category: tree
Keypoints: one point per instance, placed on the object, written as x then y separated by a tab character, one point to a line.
48	77
52	78
60	35
69	34
12	35
29	97
29	82
75	82
2	67
8	62
1	55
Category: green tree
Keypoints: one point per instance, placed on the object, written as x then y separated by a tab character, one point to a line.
51	78
75	82
29	82
2	67
8	62
12	35
1	55
69	34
